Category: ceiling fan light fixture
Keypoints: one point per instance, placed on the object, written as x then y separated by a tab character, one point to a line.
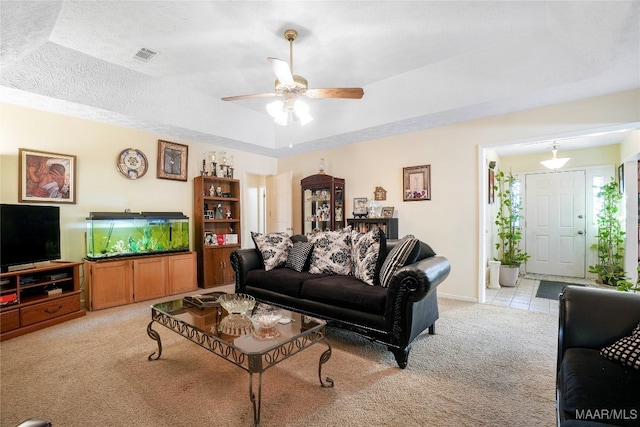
555	162
275	108
281	111
301	110
278	111
304	118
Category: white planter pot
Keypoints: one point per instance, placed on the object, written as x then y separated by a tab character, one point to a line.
509	275
494	274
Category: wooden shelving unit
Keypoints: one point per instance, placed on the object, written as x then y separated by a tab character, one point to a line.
44	296
388	225
216	214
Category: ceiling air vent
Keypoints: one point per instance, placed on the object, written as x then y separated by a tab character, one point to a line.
145	54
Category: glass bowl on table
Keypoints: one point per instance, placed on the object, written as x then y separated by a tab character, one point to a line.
265	319
236	322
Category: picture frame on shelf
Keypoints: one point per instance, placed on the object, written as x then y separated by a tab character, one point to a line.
416	183
210	239
230	239
46	177
172	160
359	206
387	211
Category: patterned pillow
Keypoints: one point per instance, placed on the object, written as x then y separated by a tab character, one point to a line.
626	350
299	255
365	249
273	247
331	252
396	258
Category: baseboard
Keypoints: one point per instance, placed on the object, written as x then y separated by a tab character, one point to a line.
456	297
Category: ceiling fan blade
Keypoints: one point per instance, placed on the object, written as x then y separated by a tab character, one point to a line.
336	92
281	70
257	95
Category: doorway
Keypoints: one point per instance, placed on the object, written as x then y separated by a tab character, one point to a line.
266	205
555	213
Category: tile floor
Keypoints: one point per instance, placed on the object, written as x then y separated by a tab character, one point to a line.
523	295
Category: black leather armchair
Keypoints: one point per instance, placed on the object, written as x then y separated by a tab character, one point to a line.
591	389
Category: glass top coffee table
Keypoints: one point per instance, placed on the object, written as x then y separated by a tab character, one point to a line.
200	323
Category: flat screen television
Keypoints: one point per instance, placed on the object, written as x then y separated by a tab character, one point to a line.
28	234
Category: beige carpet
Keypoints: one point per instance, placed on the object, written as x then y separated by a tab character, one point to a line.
487	366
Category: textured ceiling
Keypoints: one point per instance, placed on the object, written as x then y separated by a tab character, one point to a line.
421	63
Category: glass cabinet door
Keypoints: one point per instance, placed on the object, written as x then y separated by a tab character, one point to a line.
322	203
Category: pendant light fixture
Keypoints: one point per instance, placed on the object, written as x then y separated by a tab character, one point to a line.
555	162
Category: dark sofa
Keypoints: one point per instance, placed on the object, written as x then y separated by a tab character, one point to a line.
393	315
591	389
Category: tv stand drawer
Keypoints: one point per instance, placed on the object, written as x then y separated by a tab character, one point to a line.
49	309
9	320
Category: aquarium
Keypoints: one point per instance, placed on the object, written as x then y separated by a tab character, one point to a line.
121	234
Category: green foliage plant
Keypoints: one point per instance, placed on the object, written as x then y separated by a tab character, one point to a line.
508	222
625	285
610	237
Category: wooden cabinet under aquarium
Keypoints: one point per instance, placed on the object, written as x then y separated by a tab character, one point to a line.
115	282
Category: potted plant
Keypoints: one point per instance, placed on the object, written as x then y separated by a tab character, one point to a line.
625	285
508	222
610	237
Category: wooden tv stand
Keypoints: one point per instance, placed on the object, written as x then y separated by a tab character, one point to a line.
45	295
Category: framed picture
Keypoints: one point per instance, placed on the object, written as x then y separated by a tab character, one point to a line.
492	183
621	178
417	183
46	177
210	238
387	212
359	205
172	160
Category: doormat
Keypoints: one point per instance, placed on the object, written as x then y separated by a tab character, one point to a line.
550	289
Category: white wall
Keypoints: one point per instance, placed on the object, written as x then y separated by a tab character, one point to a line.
450	222
100	187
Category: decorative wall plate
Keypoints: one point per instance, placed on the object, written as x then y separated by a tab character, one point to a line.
132	163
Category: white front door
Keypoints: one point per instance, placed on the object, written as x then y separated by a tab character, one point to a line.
555	217
279	201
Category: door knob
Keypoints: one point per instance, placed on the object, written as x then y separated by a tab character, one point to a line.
580	232
580	216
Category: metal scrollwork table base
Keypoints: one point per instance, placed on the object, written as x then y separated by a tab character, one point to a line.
196	324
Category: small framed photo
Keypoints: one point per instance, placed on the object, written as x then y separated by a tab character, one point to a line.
387	212
210	239
417	183
359	205
172	160
46	177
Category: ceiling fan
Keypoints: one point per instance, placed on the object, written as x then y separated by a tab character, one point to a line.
291	86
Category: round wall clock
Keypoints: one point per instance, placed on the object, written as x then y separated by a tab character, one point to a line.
132	163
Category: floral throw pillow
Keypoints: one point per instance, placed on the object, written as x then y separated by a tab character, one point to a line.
273	247
331	252
365	249
626	350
